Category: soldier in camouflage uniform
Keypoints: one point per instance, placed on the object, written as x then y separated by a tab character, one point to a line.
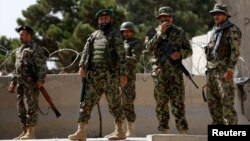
27	88
105	54
222	53
133	49
169	85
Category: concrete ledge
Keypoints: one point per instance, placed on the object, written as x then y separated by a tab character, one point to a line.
176	137
88	139
153	137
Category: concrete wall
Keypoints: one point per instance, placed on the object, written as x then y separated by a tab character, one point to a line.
65	92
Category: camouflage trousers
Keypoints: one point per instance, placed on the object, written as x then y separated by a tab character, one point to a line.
128	98
102	81
169	87
220	95
27	104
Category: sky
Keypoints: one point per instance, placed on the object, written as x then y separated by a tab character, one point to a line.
10	10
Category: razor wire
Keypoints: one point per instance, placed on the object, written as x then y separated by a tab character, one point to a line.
7	57
196	65
71	50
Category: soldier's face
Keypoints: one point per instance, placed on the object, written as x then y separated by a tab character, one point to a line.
25	37
220	18
104	20
127	34
165	18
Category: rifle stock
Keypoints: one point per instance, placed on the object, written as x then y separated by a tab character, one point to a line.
48	99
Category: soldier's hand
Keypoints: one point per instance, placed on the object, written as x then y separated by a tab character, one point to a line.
228	76
82	73
123	80
164	26
175	55
11	88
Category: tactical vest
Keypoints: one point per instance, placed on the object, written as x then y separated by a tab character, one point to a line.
224	49
103	52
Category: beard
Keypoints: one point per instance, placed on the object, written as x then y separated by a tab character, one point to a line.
105	27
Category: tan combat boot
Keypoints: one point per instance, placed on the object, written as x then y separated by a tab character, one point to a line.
22	134
30	134
80	134
118	134
130	129
185	132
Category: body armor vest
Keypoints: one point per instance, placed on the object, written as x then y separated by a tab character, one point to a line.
224	49
100	46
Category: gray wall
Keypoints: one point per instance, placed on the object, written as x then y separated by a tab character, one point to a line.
65	92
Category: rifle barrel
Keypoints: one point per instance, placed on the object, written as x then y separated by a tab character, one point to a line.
193	82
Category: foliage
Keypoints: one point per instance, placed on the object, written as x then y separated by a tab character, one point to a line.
66	24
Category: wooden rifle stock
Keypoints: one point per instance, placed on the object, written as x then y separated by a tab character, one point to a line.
48	99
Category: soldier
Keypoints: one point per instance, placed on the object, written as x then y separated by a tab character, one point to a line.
29	57
168	78
105	54
133	49
222	53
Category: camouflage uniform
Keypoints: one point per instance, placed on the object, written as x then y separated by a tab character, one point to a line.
168	79
27	93
102	77
220	93
133	49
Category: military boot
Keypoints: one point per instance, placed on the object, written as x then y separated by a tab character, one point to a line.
30	134
130	129
80	134
22	134
118	134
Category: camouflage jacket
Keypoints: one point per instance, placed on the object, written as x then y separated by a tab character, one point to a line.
34	56
178	40
228	49
112	41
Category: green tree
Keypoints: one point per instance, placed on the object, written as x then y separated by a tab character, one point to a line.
190	15
66	24
6	53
